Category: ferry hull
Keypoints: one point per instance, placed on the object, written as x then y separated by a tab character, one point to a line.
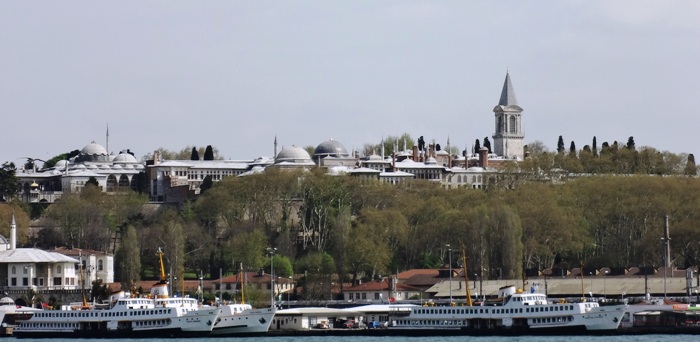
249	323
167	333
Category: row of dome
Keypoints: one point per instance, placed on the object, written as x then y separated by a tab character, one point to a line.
328	148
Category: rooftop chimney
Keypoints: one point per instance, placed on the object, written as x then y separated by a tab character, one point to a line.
484	157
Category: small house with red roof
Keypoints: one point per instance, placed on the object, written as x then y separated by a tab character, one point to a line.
384	290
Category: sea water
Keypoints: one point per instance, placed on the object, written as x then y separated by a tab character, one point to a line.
617	338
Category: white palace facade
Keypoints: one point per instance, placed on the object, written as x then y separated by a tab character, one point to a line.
180	180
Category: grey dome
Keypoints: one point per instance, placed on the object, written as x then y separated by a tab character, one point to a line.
330	148
93	148
293	154
124	157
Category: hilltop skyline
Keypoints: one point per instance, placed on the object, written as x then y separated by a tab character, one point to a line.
236	74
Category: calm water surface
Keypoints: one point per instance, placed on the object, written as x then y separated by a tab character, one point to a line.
631	338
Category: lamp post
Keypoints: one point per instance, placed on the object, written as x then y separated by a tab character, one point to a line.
605	276
481	283
291	284
449	250
591	275
667	251
200	290
272	275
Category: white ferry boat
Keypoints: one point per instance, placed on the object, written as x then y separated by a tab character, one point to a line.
127	317
243	320
123	316
234	320
514	313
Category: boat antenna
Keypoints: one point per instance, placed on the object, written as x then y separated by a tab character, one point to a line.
466	276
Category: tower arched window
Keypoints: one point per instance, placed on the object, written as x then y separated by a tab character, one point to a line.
513	128
500	127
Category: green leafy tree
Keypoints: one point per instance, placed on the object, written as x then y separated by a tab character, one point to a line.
21	219
128	259
9	185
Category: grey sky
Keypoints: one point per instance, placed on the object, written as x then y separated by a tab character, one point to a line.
233	74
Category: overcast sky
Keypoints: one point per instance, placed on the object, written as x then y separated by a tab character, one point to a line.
235	74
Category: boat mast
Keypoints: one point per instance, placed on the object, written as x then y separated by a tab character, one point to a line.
466	276
242	284
583	293
162	267
82	281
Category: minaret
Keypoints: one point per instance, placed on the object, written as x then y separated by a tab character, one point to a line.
275	152
107	139
13	232
508	139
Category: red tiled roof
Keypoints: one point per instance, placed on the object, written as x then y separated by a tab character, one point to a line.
423	271
74	252
370	286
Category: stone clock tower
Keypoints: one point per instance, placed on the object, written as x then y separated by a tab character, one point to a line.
508	139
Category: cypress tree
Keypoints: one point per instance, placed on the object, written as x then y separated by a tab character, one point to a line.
92	181
477	146
595	147
572	148
209	153
487	144
690	168
560	144
207	183
195	154
630	143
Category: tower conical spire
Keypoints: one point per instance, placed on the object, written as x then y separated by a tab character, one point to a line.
508	94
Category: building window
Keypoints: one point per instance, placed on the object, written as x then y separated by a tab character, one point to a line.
25	281
14	281
14	269
58	270
100	265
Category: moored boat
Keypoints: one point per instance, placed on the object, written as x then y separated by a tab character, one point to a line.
127	317
151	316
243	320
514	312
